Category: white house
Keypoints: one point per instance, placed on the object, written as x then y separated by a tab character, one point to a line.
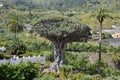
116	35
1	5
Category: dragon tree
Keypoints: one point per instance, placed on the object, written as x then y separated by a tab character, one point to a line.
60	31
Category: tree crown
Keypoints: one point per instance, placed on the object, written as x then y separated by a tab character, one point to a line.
15	25
62	28
102	14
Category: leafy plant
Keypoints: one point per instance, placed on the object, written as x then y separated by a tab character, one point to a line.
86	77
45	77
1	55
22	71
106	35
16	47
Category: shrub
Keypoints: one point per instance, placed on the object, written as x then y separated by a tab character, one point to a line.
92	69
78	61
31	54
3	41
16	47
112	78
66	68
79	47
86	77
106	35
22	71
38	46
49	55
45	77
1	55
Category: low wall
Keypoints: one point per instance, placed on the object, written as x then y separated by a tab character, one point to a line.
16	60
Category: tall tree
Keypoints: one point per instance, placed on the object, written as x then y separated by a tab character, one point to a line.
100	16
60	31
15	25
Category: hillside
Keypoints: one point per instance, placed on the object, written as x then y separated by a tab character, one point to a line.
80	9
84	5
63	5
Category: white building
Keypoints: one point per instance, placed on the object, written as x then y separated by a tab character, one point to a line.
115	29
1	5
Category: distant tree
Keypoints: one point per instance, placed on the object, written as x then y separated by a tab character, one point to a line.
100	15
60	31
15	25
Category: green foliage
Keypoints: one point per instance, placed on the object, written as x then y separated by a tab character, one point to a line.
27	53
87	47
38	47
3	41
106	35
66	68
79	47
112	78
49	56
46	77
34	43
15	25
22	71
62	5
62	27
1	55
105	69
81	76
30	12
116	59
86	78
78	61
101	15
16	47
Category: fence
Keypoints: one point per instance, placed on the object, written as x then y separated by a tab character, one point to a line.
16	59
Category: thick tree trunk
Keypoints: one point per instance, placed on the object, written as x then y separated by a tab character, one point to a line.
59	56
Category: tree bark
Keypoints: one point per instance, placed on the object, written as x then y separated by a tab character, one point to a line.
100	48
59	56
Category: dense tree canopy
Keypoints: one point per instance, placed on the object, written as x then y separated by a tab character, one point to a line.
62	28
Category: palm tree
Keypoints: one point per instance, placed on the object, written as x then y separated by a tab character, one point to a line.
15	25
100	16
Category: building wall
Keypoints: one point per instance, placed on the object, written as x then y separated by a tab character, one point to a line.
116	35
